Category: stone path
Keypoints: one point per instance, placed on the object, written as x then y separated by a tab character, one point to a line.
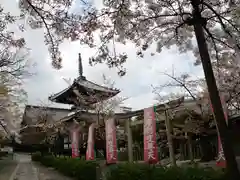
25	169
7	167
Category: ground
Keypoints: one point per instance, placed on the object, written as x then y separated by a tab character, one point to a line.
20	167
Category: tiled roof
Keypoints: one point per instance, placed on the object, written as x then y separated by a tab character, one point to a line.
88	85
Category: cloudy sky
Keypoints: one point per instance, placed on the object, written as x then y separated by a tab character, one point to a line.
136	84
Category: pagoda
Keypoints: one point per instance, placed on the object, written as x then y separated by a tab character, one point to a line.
83	94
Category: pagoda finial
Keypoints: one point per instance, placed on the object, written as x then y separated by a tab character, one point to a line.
80	67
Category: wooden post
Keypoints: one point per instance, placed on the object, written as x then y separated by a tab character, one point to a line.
170	139
190	147
181	150
129	140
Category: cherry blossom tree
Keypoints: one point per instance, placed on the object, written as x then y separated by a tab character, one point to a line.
12	62
104	110
183	85
197	122
13	70
165	23
227	76
12	96
43	123
15	63
59	21
8	39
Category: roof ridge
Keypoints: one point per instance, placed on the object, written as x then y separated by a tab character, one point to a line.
99	85
48	107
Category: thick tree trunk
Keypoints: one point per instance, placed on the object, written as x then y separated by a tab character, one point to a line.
232	167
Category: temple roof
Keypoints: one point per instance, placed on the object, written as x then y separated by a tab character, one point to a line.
86	91
91	117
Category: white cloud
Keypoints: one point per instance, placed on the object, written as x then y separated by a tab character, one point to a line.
136	85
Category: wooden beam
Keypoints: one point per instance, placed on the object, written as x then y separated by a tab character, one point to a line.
160	118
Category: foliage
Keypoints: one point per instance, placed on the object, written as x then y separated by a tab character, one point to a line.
193	89
163	23
81	169
15	63
8	40
10	106
183	85
195	118
227	76
3	153
106	107
77	168
151	172
13	70
36	156
44	115
59	21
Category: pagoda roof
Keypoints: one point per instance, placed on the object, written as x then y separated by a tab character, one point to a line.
81	91
87	89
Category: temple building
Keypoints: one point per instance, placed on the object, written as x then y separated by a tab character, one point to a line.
35	121
186	124
82	94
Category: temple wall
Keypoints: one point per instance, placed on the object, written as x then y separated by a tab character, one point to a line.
33	115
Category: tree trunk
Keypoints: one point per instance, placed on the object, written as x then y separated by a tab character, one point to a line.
232	167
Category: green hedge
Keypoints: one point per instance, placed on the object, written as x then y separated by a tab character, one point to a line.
3	153
76	168
86	170
149	172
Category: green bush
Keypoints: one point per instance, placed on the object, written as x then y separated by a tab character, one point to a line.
149	172
3	153
36	156
76	168
86	170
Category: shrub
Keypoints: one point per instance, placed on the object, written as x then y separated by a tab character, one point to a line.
36	156
3	153
77	168
86	170
150	172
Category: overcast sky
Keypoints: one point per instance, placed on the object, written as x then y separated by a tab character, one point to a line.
136	84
